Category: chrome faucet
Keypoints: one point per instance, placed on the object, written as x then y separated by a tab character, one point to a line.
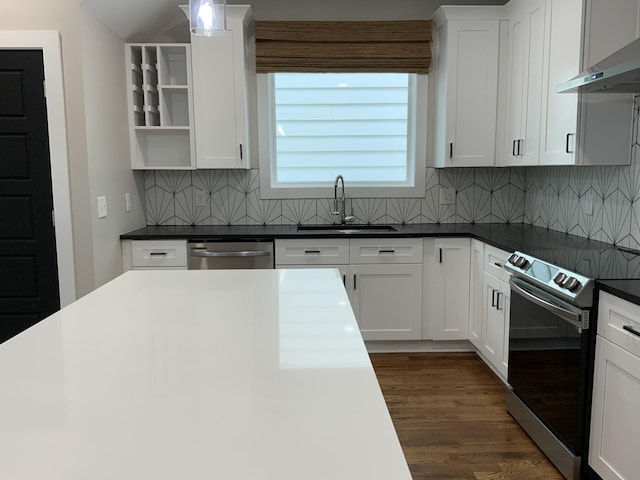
339	205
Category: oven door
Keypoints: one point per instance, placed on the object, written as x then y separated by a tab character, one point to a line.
547	359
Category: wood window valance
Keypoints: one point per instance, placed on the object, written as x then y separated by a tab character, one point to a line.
378	46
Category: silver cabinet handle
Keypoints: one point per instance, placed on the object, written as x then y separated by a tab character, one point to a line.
493	297
157	254
387	251
243	253
312	252
451	150
498	301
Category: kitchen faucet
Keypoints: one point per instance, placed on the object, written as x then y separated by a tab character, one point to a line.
339	206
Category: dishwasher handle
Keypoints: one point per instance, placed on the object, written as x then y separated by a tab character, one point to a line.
203	252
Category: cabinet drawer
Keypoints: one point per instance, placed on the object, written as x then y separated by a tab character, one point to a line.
159	253
380	250
494	260
614	314
312	252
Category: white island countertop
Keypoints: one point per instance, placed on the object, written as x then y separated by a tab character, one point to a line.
217	375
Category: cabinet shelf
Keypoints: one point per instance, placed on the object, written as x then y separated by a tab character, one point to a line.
160	105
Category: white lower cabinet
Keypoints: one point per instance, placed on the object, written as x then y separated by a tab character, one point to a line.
154	254
387	301
490	297
445	303
615	424
495	323
476	293
383	278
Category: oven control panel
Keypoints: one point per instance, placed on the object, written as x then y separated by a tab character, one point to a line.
565	283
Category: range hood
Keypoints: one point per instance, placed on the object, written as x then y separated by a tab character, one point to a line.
618	73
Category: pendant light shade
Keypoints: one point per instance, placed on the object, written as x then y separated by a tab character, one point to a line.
208	17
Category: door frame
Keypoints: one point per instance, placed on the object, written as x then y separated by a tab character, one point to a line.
49	43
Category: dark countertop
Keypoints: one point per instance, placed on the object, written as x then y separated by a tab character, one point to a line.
617	270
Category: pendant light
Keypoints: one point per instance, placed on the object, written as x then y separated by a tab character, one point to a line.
208	17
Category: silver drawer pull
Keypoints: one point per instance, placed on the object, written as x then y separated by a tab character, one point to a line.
387	251
312	252
157	254
244	253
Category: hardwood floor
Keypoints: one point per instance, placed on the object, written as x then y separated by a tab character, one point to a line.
450	414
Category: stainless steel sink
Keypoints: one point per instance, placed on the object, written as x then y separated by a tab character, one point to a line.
346	228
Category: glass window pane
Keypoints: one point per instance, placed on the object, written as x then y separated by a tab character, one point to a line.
353	124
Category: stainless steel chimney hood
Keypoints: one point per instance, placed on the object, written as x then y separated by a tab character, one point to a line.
618	73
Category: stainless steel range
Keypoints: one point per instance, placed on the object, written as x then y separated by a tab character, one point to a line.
550	361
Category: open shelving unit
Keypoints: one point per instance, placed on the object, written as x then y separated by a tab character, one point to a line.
160	106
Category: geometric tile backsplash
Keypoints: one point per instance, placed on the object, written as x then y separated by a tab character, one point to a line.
232	197
602	202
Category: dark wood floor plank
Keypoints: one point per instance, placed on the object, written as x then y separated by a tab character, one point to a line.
450	415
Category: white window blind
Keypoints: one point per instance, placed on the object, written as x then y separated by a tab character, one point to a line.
359	125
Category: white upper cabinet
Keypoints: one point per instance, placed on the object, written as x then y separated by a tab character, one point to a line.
550	42
224	90
467	46
561	62
160	106
527	29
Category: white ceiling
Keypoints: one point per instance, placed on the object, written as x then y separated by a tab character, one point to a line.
162	20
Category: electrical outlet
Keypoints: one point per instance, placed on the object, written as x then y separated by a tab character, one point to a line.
447	196
102	207
127	202
201	198
587	203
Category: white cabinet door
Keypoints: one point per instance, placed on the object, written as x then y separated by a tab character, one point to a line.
387	301
496	305
561	62
446	289
223	89
524	99
476	293
614	419
467	85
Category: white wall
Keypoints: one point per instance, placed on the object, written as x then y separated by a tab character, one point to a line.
64	16
110	174
97	138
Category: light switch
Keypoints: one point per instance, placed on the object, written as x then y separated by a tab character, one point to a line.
201	198
127	202
447	196
102	207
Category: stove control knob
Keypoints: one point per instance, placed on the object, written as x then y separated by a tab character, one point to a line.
571	284
513	258
559	278
521	263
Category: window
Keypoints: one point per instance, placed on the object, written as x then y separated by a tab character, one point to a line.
367	127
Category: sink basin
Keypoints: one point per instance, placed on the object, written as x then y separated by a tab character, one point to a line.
346	228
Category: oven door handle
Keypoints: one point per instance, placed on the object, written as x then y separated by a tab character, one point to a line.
575	318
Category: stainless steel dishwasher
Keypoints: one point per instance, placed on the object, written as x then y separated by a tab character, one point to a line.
229	255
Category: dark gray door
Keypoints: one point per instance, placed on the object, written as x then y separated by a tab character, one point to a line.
28	269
